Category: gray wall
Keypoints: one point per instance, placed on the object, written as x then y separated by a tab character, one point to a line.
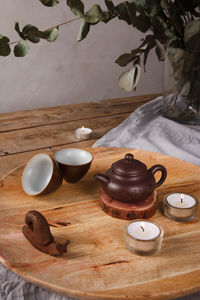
66	71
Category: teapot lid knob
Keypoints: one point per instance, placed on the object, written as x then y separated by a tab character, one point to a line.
129	156
129	166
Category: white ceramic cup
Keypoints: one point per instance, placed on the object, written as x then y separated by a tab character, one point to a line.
41	175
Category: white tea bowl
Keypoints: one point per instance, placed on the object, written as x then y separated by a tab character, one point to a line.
74	163
41	175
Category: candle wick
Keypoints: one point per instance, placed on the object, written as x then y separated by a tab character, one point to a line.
181	200
142	228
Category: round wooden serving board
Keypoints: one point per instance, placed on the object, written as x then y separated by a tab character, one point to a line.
97	265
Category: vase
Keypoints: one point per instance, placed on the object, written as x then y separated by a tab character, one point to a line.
177	108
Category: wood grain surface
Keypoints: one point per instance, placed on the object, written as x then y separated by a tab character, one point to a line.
97	265
68	113
35	129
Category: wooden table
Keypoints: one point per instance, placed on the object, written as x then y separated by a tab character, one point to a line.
26	133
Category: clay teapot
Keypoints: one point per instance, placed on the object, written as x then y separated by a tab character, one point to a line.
129	180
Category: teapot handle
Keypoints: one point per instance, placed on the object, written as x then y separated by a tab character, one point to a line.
156	168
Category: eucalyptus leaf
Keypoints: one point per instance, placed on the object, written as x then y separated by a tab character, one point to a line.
125	59
22	48
128	80
32	33
136	75
142	23
191	29
96	14
29	32
52	34
164	4
160	51
49	2
122	13
4	38
4	46
154	8
109	4
17	28
131	10
159	26
77	7
149	43
83	31
139	3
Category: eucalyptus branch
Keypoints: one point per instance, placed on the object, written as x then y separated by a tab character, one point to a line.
61	24
172	28
56	26
10	43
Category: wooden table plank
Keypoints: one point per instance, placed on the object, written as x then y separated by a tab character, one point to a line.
73	112
55	134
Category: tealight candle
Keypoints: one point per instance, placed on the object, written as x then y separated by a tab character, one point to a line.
180	207
143	237
83	133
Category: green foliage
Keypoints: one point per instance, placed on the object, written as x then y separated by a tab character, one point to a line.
192	28
22	48
49	2
32	34
83	31
4	46
109	4
77	7
128	80
96	14
160	51
28	33
172	28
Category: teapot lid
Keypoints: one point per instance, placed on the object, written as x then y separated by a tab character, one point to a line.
129	166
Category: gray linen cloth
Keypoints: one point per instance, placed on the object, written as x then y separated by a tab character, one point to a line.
147	129
144	129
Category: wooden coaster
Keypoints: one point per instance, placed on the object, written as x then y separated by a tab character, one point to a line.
128	211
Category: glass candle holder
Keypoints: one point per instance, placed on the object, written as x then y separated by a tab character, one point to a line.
83	133
180	207
143	237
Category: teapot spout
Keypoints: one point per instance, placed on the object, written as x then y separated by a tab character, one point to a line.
101	178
